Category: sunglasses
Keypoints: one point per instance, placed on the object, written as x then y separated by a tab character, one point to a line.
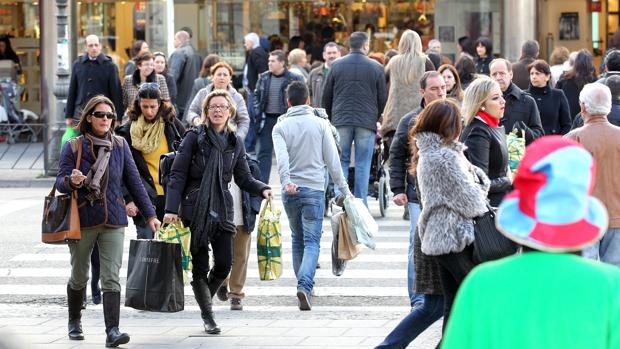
104	114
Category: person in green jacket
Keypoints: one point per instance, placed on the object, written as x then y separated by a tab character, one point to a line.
548	296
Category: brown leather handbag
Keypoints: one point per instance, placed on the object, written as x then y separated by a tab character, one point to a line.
61	220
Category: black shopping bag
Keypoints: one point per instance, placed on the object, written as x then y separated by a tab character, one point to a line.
154	276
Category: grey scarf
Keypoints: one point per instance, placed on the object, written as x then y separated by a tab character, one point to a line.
97	178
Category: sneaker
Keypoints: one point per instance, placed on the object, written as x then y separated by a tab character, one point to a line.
304	299
235	304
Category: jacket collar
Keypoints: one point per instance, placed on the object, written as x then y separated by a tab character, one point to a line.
596	119
430	141
298	110
513	90
100	59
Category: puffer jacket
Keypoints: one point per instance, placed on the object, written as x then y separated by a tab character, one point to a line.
450	197
189	166
109	212
355	92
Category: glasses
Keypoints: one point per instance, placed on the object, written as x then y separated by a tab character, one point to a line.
217	107
104	114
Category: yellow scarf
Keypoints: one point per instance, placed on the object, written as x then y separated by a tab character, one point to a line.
146	136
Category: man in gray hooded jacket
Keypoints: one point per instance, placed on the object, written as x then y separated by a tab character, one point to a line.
304	147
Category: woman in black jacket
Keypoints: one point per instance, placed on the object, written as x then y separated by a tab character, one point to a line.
161	67
552	103
484	55
152	130
483	107
583	72
199	193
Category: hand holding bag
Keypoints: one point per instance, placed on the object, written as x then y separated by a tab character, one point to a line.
360	218
489	243
61	219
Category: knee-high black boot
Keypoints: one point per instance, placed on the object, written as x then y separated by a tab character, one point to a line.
204	300
111	314
74	303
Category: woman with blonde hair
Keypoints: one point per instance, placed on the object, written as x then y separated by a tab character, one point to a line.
483	107
404	72
198	192
297	60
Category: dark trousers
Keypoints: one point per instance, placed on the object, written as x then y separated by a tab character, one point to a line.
222	258
453	268
265	146
143	230
95	268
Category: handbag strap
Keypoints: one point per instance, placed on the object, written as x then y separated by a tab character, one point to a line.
267	204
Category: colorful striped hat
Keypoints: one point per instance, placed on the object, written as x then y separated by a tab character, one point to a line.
551	208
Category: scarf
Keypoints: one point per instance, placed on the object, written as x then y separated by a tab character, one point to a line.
97	178
488	119
146	136
210	214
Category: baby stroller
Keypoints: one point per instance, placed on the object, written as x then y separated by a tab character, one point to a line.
378	182
14	121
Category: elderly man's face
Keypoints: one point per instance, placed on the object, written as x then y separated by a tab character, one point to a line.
500	73
435	46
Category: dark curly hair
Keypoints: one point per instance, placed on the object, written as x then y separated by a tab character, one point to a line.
151	91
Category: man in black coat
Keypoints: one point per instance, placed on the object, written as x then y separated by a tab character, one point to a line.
521	111
432	87
354	97
93	74
255	64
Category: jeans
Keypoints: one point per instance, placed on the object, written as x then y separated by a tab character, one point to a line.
607	249
250	139
110	241
414	213
364	146
265	147
416	322
305	214
453	268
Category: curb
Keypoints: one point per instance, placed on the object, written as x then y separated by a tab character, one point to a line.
27	183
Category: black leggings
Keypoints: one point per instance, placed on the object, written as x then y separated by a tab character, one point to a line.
453	268
222	258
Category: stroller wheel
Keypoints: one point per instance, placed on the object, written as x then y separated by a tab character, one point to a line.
383	196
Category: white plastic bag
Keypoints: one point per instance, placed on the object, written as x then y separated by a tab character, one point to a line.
362	221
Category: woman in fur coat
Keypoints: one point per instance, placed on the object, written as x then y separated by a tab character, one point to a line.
452	190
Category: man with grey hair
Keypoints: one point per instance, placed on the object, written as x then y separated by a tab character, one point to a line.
613	82
521	111
602	140
185	64
318	75
435	46
255	64
354	97
520	72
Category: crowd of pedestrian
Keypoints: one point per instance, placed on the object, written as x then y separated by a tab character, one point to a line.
444	125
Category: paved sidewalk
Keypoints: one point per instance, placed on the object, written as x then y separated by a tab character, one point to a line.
252	328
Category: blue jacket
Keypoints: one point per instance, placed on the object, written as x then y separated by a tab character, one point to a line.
109	212
261	94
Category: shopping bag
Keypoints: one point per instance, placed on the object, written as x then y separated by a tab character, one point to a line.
346	248
269	243
362	222
338	264
516	149
177	233
154	276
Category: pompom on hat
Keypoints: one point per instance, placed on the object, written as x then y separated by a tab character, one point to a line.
551	208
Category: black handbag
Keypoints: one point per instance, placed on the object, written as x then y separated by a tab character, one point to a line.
61	219
489	243
166	160
154	276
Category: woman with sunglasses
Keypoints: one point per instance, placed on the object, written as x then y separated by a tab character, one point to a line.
145	73
221	74
161	68
208	158
106	165
152	130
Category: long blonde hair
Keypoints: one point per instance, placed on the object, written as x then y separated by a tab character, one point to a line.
475	95
410	62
